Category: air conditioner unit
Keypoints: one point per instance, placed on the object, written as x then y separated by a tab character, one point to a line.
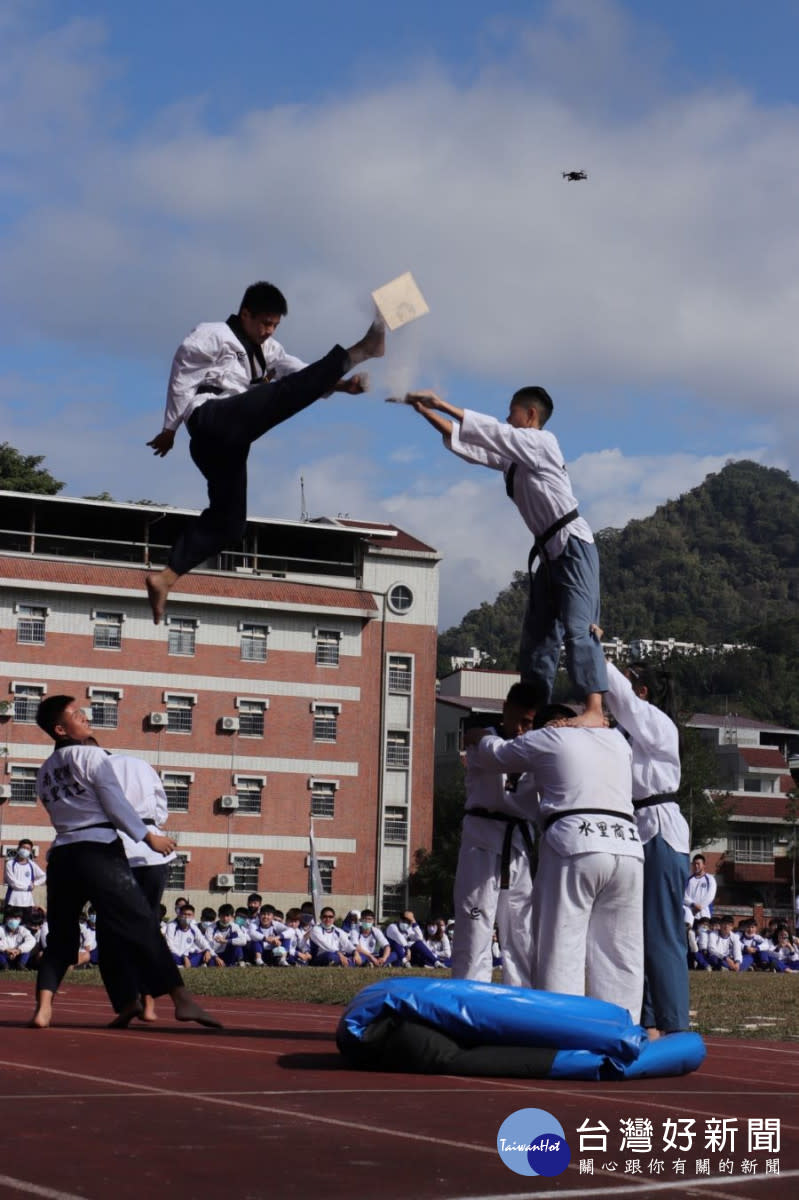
5	791
225	881
158	719
228	802
230	724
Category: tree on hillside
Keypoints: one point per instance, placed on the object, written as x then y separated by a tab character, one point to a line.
22	473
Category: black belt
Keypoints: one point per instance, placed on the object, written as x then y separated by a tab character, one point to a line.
149	821
94	825
511	823
651	801
573	812
540	542
209	389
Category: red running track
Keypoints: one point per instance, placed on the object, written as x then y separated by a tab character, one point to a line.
267	1108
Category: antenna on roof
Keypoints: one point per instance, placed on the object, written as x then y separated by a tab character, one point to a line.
304	514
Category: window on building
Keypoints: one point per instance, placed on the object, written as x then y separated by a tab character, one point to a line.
326	866
182	635
251	717
105	708
327	647
179	711
323	798
176	876
107	631
253	642
27	698
23	785
30	624
245	872
400	673
394	900
451	741
752	849
325	722
400	598
753	785
177	789
395	828
398	748
248	791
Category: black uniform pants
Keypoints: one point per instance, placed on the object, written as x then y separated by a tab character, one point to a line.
222	430
135	954
151	881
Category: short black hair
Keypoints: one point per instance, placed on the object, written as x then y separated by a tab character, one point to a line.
264	298
537	398
367	912
552	712
226	910
254	896
24	842
530	694
50	711
208	914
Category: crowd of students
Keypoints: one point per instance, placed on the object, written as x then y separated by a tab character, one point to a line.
715	945
256	935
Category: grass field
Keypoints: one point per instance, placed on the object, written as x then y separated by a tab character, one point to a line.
755	1004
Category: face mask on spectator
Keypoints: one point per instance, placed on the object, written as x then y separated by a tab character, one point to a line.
431	929
241	920
207	924
366	926
403	926
183	919
12	923
23	852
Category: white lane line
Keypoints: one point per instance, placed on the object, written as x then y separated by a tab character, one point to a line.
18	1185
646	1188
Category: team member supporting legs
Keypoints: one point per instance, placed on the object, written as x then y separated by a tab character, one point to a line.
493	882
640	701
86	805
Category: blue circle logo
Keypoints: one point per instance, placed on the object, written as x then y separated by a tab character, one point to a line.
531	1142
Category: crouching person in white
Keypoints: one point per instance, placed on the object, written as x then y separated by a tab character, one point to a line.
493	881
588	892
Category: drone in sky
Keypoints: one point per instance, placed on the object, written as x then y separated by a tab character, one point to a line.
574	176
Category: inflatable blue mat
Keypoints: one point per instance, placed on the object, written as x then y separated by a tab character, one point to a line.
458	1026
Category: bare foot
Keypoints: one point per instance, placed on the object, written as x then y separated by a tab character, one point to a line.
157	592
371	345
189	1010
148	1012
587	720
123	1019
40	1020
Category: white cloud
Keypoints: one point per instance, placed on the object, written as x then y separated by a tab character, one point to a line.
673	270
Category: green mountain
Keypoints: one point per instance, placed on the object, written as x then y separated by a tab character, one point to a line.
718	565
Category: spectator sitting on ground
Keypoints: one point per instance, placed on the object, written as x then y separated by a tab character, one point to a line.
758	952
207	922
265	937
437	942
227	940
34	921
22	875
186	941
785	951
254	905
371	945
724	948
16	942
331	946
295	941
406	939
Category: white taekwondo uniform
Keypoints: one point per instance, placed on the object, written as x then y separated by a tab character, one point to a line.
587	897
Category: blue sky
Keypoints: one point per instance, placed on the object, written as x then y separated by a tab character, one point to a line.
157	158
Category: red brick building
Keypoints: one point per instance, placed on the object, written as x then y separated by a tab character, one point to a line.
294	675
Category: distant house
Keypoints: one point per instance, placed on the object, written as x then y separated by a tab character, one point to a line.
754	863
